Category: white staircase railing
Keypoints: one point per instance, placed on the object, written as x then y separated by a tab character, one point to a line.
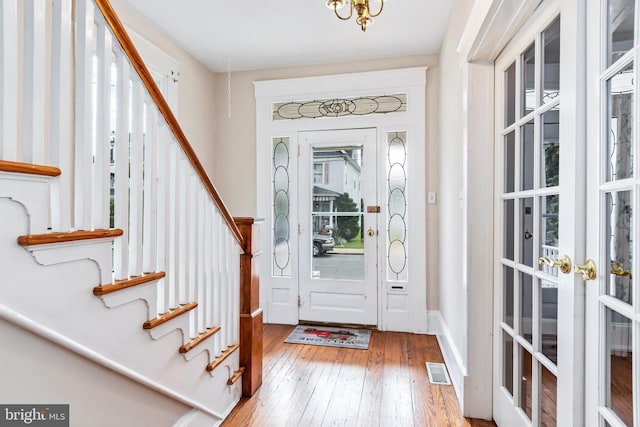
75	95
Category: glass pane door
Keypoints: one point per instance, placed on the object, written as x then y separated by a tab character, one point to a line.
613	315
338	270
530	197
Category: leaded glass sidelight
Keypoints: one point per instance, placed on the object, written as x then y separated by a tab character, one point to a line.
281	208
397	207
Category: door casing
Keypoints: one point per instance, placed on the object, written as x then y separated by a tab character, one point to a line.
398	309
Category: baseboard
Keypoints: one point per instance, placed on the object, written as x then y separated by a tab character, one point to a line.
452	358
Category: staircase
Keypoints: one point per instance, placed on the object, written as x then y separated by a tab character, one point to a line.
118	257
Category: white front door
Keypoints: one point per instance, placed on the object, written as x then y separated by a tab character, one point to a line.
612	308
338	233
539	325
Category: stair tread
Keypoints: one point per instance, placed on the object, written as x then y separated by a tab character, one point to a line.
199	339
70	236
222	356
127	283
171	314
29	168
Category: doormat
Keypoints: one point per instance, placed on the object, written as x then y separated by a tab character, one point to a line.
330	337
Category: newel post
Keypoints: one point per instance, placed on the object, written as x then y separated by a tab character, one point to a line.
250	311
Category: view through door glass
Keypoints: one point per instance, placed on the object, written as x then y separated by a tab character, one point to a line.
615	298
336	216
529	191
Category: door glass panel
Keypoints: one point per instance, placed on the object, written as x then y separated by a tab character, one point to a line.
281	207
508	296
507	373
549	209
336	214
619	216
621	124
550	165
549	391
551	61
549	320
526	234
526	156
397	270
526	307
509	162
510	95
509	217
526	382
620	20
619	375
528	92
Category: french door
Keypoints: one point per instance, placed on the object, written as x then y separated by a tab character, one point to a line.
612	308
338	229
538	320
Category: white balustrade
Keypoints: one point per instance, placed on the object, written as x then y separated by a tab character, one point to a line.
61	103
145	183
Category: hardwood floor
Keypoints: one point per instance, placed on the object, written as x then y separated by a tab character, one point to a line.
386	385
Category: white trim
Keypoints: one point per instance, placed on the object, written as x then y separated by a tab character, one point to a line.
490	27
450	353
280	294
27	324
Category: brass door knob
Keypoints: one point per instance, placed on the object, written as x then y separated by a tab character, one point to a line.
371	232
588	270
563	263
618	270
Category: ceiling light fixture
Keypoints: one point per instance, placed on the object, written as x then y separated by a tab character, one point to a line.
362	8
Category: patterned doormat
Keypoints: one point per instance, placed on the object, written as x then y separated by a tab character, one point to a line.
330	337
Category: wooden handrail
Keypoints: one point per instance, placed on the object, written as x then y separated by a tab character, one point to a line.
143	72
44	239
28	168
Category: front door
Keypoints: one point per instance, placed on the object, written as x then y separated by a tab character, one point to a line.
338	227
612	308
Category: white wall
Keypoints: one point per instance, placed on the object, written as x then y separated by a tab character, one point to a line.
235	165
196	89
41	372
451	290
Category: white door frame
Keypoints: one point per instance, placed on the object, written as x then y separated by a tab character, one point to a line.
401	306
491	25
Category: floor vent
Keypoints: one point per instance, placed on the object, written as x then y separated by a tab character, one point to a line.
438	373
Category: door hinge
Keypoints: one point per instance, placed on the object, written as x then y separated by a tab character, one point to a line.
299	301
299	229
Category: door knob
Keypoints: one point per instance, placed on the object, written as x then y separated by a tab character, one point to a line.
563	263
371	232
618	270
588	270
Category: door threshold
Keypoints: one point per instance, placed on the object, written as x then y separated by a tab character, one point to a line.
338	325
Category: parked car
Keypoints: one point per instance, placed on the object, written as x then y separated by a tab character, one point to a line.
322	244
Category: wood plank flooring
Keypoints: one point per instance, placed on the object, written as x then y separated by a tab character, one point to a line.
385	386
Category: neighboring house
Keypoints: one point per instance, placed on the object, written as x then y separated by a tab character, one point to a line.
527	341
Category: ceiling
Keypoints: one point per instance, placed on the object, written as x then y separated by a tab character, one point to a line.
258	34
